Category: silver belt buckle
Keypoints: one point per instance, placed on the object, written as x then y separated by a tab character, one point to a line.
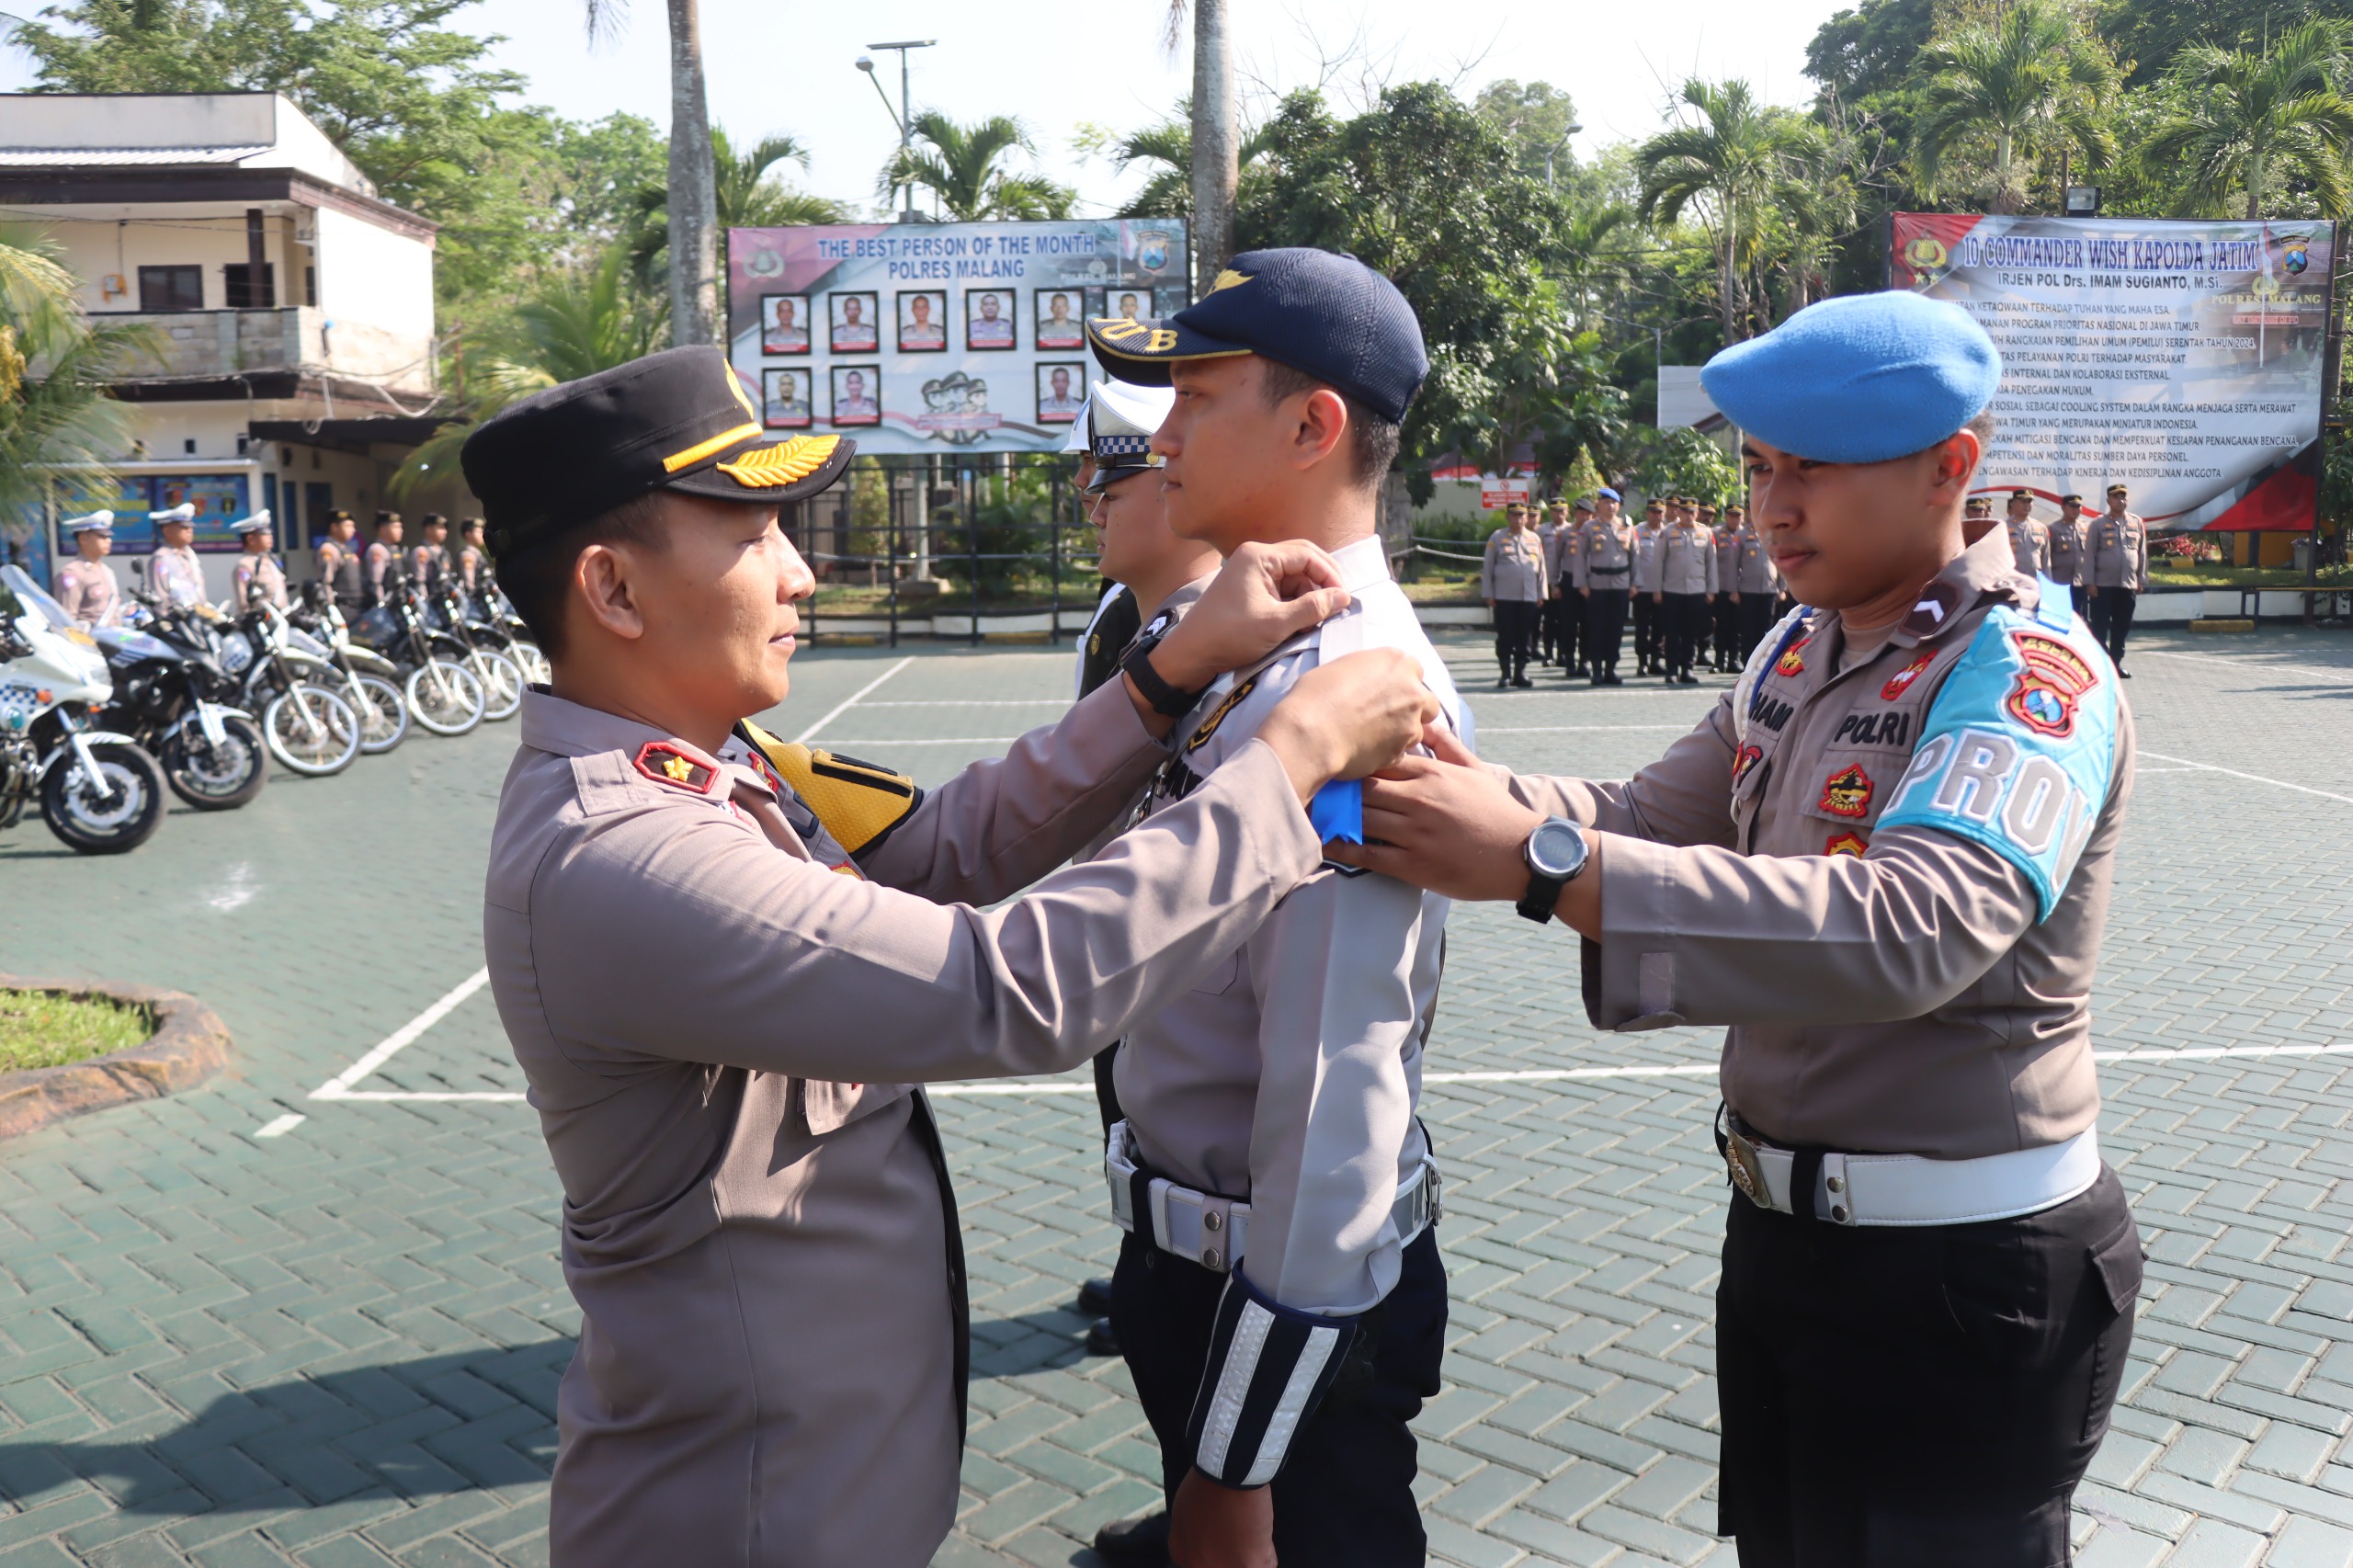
1740	1157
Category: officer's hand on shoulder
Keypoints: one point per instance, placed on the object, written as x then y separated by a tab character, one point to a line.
1350	717
1264	595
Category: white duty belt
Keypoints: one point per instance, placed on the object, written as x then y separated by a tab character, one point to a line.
1203	1228
1908	1190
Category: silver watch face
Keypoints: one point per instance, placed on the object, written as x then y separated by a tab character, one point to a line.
1556	849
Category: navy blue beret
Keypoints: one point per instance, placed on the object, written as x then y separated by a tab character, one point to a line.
1859	379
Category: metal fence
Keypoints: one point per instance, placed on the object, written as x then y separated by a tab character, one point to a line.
989	545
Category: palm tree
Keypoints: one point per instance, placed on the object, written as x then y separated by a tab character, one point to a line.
1214	144
693	210
574	323
2241	120
1166	149
962	166
55	368
2029	77
747	195
1741	165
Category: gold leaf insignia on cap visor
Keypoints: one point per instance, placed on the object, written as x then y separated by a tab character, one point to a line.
702	449
1228	279
781	464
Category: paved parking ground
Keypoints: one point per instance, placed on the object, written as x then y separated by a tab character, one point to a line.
257	1325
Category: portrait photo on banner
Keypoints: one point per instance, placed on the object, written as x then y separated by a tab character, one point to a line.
1056	313
857	395
784	324
988	320
1061	391
1127	304
785	399
923	321
851	320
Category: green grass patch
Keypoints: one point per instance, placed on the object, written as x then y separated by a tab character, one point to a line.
41	1029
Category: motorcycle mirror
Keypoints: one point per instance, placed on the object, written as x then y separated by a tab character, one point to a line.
137	567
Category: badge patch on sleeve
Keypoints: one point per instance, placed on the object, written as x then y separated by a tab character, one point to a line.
1901	681
1847	792
1744	760
1845	843
665	764
1793	659
1217	714
2018	751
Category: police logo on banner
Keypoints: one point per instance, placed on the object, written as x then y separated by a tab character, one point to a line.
2018	749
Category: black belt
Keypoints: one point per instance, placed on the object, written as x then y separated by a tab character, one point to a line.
1607	571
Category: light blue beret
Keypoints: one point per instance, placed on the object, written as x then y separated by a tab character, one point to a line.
1859	379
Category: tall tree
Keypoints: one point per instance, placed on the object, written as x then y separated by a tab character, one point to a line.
1536	118
693	206
747	195
2028	78
965	168
2243	121
1737	165
1166	152
1215	145
55	367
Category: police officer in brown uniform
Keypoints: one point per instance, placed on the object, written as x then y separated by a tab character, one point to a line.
255	564
1564	569
1611	546
382	565
2116	568
722	961
1753	584
86	585
2029	540
1687	589
1511	580
2067	540
1885	860
341	562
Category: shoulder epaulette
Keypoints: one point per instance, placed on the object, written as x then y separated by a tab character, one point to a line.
860	802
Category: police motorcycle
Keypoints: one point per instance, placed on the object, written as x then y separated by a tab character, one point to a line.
521	646
370	682
443	695
213	754
486	654
99	790
308	728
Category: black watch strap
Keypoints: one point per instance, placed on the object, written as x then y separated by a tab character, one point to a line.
1542	893
1166	701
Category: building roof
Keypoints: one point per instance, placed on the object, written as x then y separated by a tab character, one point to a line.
253	130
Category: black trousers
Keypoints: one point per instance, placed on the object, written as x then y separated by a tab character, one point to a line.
1918	1398
1727	628
1605	627
1514	634
1649	617
1345	1496
1570	606
2112	618
1756	618
1107	1096
1687	622
2081	594
1548	630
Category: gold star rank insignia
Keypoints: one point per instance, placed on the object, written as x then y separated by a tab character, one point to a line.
666	764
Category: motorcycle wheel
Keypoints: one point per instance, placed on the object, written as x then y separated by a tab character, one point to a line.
124	817
445	697
216	777
310	731
502	683
383	713
533	662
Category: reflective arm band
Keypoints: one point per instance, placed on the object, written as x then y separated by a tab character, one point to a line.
1269	1367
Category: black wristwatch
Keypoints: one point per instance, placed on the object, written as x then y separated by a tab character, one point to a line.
1555	853
1166	701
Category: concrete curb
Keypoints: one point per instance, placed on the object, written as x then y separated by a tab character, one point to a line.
191	1043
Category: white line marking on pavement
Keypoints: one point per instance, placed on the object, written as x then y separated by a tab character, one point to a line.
279	1126
436	1097
2248	666
339	1087
852	700
2250	778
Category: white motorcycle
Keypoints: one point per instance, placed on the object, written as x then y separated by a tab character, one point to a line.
100	791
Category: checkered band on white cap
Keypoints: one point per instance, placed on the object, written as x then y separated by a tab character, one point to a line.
1122	446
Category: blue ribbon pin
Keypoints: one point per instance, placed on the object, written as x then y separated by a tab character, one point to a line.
1337	811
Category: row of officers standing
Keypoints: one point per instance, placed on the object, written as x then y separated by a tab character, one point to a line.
2103	561
1563	590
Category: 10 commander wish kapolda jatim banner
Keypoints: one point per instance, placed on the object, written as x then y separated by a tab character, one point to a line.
939	337
2182	359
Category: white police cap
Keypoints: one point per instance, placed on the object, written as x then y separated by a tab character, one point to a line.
1121	417
253	524
1081	434
100	522
183	513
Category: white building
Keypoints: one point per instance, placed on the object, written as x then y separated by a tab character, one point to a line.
292	307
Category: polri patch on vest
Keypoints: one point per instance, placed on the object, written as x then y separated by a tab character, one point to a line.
1889	727
665	764
1847	792
2043	696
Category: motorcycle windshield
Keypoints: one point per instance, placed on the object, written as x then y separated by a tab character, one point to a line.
134	644
36	598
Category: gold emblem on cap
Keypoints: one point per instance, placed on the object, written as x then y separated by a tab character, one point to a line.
781	464
1229	279
702	449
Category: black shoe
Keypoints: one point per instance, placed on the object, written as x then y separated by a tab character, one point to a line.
1134	1543
1686	678
1522	682
1598	679
1100	1340
1611	677
1095	1299
1503	683
2123	672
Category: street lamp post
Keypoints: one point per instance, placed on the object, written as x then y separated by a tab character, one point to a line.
904	113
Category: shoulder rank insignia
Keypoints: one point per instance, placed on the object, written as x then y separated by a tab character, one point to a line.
1901	681
2043	696
1845	843
1847	792
1217	715
1793	659
665	764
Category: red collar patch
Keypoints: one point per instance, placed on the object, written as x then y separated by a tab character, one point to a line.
666	764
1847	792
1744	759
1792	662
1901	681
1845	843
